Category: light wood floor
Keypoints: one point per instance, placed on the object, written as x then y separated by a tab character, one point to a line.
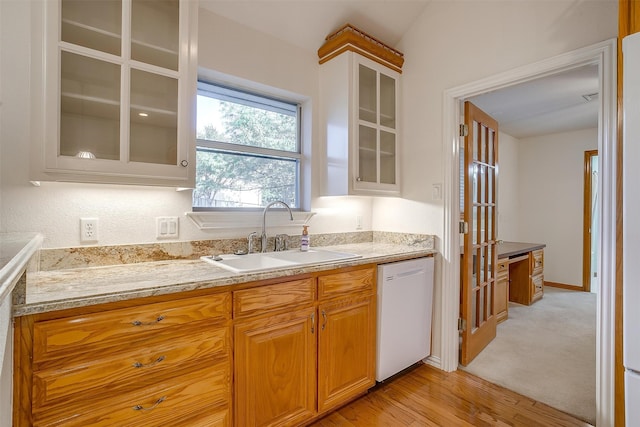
427	396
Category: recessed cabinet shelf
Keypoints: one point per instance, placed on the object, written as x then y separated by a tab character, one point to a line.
359	82
119	79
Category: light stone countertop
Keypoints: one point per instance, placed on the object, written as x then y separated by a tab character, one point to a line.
63	289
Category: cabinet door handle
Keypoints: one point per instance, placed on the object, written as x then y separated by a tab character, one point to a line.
142	408
313	323
148	365
324	319
139	323
184	163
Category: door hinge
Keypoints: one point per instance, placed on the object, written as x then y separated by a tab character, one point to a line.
464	130
463	227
462	324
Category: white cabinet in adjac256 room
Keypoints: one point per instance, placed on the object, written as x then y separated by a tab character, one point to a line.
359	114
114	84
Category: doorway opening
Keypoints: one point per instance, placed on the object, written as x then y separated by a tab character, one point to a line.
604	55
591	220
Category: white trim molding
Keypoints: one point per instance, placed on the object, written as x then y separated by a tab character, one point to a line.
604	55
241	221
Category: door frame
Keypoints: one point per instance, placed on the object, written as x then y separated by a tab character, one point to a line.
603	54
586	220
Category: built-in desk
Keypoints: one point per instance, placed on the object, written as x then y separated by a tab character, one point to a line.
520	275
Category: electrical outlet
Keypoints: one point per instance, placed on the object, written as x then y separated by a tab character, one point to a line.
88	230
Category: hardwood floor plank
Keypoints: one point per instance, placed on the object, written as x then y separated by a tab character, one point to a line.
429	397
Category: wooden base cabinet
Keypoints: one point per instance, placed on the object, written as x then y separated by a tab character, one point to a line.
347	336
164	363
275	359
298	356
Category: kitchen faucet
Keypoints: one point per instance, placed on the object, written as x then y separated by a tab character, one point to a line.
264	221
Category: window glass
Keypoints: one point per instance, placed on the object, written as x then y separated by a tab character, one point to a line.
248	150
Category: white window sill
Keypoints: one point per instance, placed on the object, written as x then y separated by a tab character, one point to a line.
235	220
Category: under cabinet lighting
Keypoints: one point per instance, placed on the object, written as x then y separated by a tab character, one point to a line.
143	114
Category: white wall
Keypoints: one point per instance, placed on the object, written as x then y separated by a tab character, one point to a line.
551	202
508	188
127	213
457	42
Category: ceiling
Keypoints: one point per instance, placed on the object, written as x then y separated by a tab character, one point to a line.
560	102
547	105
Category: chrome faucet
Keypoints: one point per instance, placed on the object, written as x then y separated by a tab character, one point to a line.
264	221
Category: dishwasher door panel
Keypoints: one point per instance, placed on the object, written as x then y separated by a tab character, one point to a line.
405	294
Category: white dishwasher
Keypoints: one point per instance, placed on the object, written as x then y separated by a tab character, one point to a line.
405	304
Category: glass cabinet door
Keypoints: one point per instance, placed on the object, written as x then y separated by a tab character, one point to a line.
377	135
91	108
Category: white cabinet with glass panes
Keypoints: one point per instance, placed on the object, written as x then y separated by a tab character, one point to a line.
114	91
359	115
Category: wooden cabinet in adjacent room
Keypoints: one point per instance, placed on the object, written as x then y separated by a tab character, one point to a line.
501	296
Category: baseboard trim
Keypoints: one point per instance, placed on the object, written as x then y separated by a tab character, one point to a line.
563	286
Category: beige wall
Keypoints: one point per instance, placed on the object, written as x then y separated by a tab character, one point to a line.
509	220
551	171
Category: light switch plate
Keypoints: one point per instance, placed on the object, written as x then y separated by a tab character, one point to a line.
167	227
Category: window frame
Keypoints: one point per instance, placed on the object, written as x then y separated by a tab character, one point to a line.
269	102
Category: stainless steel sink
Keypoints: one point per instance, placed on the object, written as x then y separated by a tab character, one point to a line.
276	260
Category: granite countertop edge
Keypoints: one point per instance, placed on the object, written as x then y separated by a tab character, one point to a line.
15	257
73	288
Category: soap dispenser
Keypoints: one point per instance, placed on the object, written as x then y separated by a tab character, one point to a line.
304	239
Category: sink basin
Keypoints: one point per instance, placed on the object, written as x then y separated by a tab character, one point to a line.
312	256
275	260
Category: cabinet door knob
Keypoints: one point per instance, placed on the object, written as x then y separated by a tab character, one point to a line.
358	179
184	163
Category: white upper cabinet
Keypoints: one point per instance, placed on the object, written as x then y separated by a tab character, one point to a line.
359	90
114	91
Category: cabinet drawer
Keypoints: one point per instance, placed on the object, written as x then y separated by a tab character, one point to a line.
537	287
350	282
272	297
537	261
56	338
135	367
195	396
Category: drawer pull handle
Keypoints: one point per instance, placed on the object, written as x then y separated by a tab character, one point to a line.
139	323
148	365
313	323
324	317
142	408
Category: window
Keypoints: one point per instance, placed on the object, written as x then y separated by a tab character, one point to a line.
248	150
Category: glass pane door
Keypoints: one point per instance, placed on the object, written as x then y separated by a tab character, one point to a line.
479	262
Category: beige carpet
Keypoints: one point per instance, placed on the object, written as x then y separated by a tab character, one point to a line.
547	351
